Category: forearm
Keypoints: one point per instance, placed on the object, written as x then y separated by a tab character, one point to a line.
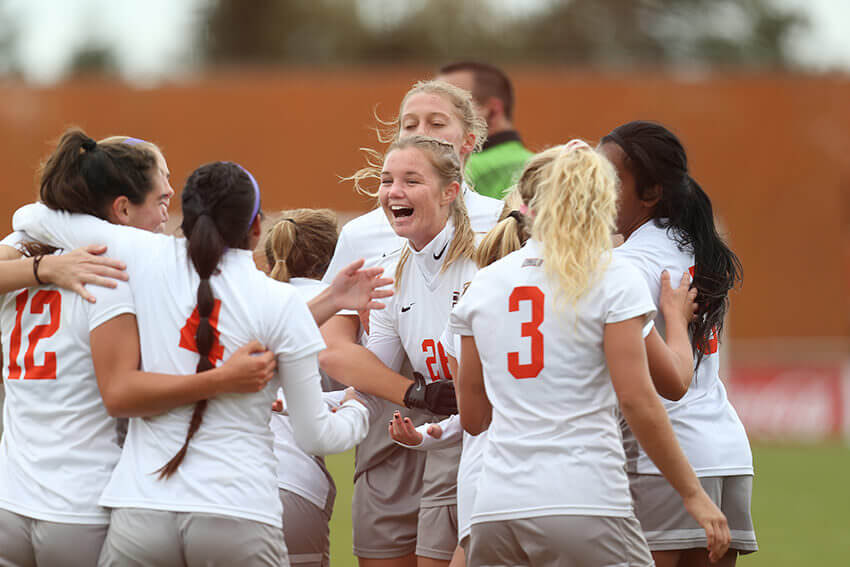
16	274
473	403
316	429
671	362
649	422
140	394
323	306
354	365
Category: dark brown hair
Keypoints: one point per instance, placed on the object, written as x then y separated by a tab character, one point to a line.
489	81
218	201
83	176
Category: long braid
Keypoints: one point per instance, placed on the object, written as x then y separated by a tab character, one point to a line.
217	202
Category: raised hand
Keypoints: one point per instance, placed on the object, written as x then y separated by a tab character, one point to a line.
358	289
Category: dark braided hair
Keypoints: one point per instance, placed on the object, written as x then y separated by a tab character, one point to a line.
220	202
83	176
656	157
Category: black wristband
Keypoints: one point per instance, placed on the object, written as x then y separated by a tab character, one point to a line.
36	260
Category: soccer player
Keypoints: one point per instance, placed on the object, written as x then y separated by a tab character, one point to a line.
388	479
497	166
554	333
59	447
668	223
190	474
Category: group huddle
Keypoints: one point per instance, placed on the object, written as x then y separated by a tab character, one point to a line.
532	380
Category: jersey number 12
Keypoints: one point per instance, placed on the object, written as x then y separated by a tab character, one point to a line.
41	299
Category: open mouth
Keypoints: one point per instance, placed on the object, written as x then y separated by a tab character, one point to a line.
399	211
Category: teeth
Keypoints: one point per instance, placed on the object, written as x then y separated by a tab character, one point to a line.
398	207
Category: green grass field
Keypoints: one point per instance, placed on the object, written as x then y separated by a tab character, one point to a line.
801	504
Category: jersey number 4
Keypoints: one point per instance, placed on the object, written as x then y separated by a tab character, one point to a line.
41	299
530	329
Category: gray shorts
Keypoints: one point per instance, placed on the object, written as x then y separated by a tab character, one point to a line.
437	537
559	541
26	542
155	538
668	526
305	530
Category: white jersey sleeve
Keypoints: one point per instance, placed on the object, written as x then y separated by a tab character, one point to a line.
316	429
110	303
384	340
344	254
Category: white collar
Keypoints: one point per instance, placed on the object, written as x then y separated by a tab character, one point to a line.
429	261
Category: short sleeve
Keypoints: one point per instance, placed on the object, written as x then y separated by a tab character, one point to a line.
627	295
293	333
447	339
110	303
343	255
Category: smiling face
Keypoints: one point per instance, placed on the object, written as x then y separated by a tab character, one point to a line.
632	211
152	214
430	114
413	197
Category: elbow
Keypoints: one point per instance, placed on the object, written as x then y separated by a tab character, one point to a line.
472	425
115	405
673	392
331	361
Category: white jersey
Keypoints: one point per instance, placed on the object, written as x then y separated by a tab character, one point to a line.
705	423
297	470
553	445
229	468
59	446
412	325
370	236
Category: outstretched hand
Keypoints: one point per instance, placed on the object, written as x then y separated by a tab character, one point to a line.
680	303
359	289
403	431
83	266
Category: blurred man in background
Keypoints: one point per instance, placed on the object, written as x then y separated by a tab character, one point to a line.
493	170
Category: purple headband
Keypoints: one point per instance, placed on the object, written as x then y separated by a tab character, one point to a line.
133	141
256	193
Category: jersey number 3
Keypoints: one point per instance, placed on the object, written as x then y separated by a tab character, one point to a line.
530	329
41	299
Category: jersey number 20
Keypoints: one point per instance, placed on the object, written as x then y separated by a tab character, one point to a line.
32	371
530	329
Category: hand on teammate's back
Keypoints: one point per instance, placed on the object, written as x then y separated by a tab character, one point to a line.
83	266
248	370
438	397
712	520
680	303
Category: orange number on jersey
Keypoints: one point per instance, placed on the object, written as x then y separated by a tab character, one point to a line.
190	329
31	370
711	347
434	349
529	329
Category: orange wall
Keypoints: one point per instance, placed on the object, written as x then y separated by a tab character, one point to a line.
771	151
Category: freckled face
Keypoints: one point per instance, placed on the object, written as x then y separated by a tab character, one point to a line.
411	196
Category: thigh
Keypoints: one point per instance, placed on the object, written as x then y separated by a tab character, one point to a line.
305	530
16	540
57	543
385	508
210	540
437	532
142	537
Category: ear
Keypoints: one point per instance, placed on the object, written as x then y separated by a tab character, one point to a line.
119	211
466	146
256	227
450	193
651	196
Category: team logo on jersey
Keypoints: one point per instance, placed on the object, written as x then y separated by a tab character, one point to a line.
532	262
440	255
456	295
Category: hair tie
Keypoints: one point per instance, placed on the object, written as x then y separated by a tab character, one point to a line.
291	220
573	144
517	216
523	209
89	144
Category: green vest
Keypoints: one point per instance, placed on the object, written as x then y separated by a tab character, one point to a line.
496	168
